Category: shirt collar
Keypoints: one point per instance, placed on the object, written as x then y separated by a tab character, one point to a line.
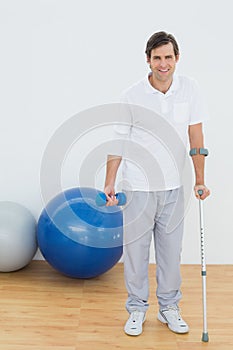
151	90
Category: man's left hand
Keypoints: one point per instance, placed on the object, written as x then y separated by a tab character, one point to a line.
205	190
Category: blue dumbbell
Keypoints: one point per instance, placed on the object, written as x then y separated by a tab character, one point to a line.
101	199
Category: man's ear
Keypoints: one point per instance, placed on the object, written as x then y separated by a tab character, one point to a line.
147	59
177	58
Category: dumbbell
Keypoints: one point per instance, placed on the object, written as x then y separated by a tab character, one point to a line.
101	199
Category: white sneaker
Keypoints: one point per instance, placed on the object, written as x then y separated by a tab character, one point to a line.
171	316
134	323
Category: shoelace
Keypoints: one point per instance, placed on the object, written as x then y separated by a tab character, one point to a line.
176	313
135	316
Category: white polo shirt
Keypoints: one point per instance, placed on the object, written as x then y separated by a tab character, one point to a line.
156	134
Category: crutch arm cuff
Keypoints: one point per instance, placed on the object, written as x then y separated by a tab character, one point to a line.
201	151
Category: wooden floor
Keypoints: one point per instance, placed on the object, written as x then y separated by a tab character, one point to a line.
42	310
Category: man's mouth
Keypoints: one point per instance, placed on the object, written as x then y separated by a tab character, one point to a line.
163	70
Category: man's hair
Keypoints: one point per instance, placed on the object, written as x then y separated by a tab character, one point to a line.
159	39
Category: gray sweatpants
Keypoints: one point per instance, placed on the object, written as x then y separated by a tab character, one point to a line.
160	214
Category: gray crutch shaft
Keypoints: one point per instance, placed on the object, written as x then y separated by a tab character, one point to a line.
205	336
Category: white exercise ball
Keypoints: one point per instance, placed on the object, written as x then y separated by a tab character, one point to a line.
18	243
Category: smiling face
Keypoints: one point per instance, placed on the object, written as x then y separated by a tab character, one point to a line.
162	63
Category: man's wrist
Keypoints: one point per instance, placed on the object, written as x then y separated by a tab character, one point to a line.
200	183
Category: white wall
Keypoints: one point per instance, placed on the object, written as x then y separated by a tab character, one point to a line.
60	57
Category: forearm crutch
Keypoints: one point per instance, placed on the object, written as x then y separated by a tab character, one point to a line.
205	336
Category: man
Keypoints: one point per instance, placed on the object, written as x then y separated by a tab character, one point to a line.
152	207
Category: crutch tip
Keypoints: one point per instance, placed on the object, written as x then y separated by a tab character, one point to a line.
205	337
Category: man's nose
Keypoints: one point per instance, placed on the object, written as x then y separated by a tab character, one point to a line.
163	63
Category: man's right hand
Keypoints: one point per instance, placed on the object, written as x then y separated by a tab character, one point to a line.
110	195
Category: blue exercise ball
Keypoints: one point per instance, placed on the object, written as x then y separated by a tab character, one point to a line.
78	238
